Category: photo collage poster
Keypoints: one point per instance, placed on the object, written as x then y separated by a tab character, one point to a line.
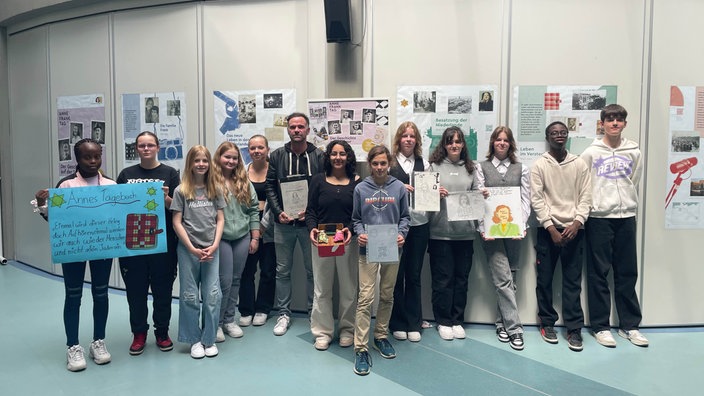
239	115
363	123
473	108
79	117
684	202
161	113
578	107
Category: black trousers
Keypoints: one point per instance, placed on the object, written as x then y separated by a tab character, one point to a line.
407	313
450	263
264	301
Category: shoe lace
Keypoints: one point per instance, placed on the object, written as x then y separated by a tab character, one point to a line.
99	347
75	353
365	357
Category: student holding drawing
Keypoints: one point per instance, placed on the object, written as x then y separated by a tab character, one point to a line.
450	246
378	199
502	169
157	271
88	154
240	236
297	160
330	202
406	316
197	208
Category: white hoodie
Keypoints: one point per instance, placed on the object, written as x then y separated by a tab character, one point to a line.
615	175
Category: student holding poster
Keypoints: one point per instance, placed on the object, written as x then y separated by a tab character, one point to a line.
380	199
88	155
157	271
502	169
406	316
450	246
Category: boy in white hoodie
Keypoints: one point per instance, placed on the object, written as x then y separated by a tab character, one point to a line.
615	164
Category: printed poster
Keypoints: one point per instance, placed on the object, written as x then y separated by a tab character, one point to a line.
363	123
79	117
503	217
382	243
684	201
98	222
578	107
239	115
161	113
473	108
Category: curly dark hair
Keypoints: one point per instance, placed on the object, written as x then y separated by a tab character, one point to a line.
350	167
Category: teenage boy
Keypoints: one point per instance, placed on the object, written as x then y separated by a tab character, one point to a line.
611	231
561	194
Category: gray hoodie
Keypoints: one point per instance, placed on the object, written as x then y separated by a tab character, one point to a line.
374	204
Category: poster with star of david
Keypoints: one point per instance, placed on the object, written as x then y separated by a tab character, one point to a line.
99	222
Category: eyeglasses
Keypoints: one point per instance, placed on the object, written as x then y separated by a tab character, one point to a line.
148	145
559	133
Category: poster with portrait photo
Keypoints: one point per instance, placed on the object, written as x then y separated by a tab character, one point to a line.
76	116
141	112
97	133
365	125
486	101
465	205
239	115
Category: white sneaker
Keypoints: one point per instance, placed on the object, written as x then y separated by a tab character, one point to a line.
282	325
458	332
233	330
322	343
400	335
99	353
634	336
605	338
197	351
211	351
260	319
219	335
75	361
445	332
414	336
245	320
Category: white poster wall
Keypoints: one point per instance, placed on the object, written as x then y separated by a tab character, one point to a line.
79	117
239	115
684	202
363	123
164	114
473	108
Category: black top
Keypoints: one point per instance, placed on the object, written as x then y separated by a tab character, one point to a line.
329	203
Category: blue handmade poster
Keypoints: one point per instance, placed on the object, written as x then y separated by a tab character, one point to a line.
97	222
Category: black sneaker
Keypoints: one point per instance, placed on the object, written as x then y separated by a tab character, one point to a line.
502	334
362	362
516	341
548	334
574	340
384	347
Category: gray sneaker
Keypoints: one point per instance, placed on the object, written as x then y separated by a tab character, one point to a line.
99	353
75	361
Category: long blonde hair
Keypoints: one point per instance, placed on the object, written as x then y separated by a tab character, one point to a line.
211	178
240	182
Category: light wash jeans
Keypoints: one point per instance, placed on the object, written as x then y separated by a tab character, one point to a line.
285	237
233	256
193	274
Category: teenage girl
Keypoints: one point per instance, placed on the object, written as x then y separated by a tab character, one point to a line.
502	169
89	157
378	199
157	271
256	310
197	208
240	236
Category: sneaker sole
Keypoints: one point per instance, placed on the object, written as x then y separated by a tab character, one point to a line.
575	348
75	369
633	341
101	362
516	347
166	349
136	353
361	372
549	340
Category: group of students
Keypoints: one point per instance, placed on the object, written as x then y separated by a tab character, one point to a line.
222	212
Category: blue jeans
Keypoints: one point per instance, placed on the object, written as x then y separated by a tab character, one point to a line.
285	237
233	255
193	274
73	285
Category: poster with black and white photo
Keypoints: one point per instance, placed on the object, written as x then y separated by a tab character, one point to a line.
79	117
